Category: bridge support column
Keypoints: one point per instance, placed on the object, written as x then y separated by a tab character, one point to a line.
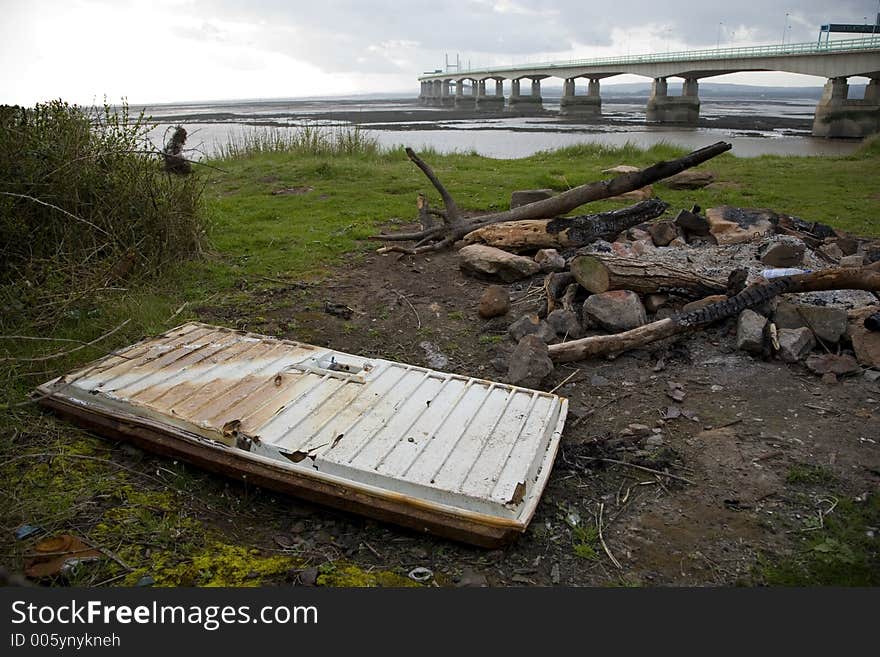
571	103
663	108
432	98
463	101
447	99
489	103
521	103
839	116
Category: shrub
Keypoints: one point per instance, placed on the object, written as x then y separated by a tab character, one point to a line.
84	201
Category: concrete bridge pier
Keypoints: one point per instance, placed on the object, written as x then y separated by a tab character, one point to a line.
837	115
494	102
520	103
571	103
446	97
663	108
465	100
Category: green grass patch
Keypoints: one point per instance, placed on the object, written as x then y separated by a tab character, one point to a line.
809	475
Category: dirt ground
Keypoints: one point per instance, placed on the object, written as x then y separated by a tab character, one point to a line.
763	449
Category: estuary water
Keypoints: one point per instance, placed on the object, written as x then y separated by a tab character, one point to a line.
754	125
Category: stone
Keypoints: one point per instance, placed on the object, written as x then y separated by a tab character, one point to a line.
750	332
729	225
531	325
618	310
872	376
702	303
783	251
529	363
837	364
829	323
641	194
829	378
622	168
654	441
637	234
639	430
654	302
526	196
436	359
663	232
866	343
494	302
854	260
832	251
565	322
622	249
795	344
692	223
488	261
847	245
690	179
549	260
678	243
472	579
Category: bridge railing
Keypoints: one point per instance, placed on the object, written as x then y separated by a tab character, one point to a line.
871	42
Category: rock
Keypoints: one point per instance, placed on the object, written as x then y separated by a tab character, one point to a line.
839	365
599	381
847	245
622	249
702	303
565	322
854	260
653	302
750	332
488	261
637	234
549	260
832	251
494	302
690	179
692	223
618	310
526	196
866	343
471	578
872	376
829	323
654	441
622	168
729	225
638	430
309	576
663	232
531	325
783	251
529	363
641	194
678	243
795	344
829	378
641	247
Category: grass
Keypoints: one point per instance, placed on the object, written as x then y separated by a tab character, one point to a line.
256	239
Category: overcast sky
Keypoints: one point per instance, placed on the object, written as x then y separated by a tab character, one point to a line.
175	50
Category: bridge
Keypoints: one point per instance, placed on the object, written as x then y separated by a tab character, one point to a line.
837	115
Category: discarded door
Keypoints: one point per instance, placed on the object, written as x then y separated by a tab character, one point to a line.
461	457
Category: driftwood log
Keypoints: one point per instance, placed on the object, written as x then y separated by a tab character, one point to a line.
599	272
562	232
864	278
454	226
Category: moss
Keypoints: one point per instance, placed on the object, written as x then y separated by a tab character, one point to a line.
843	552
218	564
340	574
809	475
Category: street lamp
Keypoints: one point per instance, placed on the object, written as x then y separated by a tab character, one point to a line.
785	28
718	41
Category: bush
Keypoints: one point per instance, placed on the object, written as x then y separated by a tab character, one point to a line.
84	202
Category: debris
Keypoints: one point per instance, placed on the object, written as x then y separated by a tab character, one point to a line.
618	310
172	152
338	310
529	364
795	344
26	531
750	332
421	574
494	302
436	359
675	391
58	554
488	261
729	225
